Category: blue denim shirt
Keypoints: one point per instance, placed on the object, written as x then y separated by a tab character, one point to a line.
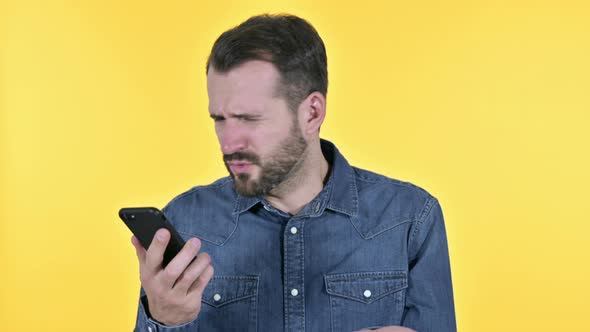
367	251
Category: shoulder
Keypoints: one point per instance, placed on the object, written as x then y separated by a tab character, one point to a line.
370	183
221	190
204	211
384	202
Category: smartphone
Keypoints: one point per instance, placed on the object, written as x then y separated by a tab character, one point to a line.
144	222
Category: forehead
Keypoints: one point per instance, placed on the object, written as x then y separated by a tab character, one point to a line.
250	82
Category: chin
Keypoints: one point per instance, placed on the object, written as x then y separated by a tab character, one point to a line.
245	189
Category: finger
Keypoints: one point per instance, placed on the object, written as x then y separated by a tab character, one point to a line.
199	285
191	273
155	253
179	263
139	250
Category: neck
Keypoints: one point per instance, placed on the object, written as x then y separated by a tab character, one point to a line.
304	185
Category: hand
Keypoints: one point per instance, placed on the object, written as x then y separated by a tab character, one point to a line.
174	293
392	329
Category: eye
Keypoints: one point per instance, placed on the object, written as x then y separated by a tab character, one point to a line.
217	118
248	118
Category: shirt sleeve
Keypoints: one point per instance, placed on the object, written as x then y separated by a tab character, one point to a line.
429	298
144	323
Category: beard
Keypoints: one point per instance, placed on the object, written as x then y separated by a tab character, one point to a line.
282	164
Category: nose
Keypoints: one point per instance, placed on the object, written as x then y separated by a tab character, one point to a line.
231	138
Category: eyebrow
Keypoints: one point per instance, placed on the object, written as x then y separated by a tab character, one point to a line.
242	116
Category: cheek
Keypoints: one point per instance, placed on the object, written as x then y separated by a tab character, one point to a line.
260	137
274	132
218	134
265	142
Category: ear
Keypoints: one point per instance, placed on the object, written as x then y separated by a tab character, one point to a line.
312	112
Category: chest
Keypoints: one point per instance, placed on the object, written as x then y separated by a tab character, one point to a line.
310	273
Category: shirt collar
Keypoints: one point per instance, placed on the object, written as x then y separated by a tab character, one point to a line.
339	194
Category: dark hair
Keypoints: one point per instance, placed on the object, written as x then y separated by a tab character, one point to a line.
290	43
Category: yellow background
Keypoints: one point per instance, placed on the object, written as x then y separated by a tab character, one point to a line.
483	103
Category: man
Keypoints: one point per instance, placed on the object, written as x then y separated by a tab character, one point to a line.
295	239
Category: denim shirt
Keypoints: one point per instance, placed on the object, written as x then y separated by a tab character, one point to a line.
367	251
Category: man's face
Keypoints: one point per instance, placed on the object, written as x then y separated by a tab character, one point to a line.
260	137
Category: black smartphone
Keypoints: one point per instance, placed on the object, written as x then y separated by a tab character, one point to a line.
144	222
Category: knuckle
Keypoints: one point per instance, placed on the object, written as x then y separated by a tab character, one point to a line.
202	261
156	245
170	273
210	270
183	279
149	258
206	258
153	252
191	277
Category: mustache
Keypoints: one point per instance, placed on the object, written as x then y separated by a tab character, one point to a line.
242	156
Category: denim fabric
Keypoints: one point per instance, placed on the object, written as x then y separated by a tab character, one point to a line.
368	251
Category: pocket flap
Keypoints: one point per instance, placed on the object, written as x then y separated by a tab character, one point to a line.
366	287
222	290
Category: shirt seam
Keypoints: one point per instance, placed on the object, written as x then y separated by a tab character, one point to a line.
426	210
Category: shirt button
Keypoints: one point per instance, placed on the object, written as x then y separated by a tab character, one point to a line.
367	293
294	292
293	230
317	207
217	297
150	329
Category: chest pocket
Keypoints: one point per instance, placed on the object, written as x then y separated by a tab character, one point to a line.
229	304
366	299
